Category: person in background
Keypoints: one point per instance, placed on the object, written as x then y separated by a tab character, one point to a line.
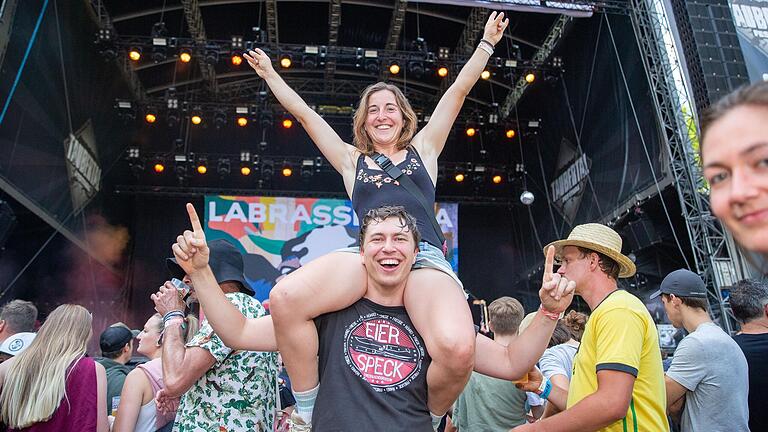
116	344
617	382
17	316
220	387
491	404
708	372
137	410
53	385
557	361
749	302
15	345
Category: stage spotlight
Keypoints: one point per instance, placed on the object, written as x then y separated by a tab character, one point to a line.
442	71
394	69
285	61
219	119
486	74
242	121
287	123
202	167
150	117
159	167
236	60
459	177
185	56
196	119
211	54
223	168
134	53
267	169
510	133
530	78
173	118
527	198
470	131
245	170
287	171
496	179
266	118
416	68
372	66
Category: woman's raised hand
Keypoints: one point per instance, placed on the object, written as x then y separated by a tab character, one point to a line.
495	27
260	62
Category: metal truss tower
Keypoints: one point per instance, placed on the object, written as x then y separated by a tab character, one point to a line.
712	257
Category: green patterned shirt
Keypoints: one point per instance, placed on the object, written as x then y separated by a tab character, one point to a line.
239	392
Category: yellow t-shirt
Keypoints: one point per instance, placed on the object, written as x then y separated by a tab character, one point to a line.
620	335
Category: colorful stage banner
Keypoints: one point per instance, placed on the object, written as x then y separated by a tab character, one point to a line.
277	235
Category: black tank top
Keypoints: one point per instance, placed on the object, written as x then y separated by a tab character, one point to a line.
375	188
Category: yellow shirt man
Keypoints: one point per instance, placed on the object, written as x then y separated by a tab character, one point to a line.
620	335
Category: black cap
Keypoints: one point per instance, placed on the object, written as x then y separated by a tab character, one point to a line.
682	283
226	263
113	339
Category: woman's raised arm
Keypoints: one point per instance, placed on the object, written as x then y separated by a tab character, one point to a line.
338	153
431	140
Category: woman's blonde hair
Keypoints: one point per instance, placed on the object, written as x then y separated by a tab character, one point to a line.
361	139
36	383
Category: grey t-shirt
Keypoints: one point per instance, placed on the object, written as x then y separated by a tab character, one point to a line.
558	360
712	367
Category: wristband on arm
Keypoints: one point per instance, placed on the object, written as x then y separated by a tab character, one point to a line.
545	388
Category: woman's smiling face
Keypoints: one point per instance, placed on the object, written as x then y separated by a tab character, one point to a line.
735	161
384	119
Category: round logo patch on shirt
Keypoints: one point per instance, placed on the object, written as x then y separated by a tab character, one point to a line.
16	345
384	351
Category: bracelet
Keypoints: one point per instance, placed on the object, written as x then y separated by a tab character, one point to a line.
486	48
545	388
488	42
554	316
173	321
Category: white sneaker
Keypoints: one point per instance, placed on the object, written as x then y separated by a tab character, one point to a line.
297	424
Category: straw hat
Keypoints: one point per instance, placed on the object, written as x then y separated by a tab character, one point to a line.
599	238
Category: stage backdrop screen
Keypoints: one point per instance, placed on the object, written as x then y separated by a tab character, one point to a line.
277	235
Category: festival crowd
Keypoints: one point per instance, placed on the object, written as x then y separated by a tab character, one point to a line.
380	337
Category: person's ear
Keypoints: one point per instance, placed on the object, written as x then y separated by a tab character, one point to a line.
2	325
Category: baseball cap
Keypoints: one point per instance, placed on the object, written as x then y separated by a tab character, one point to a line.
682	283
226	263
17	343
114	338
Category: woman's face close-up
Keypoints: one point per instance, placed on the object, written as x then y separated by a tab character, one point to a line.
384	119
149	337
735	161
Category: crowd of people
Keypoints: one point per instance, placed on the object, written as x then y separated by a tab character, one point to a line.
363	332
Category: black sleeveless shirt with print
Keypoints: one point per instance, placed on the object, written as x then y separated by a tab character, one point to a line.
375	188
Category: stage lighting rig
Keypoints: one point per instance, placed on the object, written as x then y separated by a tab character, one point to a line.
307	168
106	43
211	54
416	68
237	43
126	110
134	53
224	167
286	61
185	55
309	60
219	118
159	42
394	68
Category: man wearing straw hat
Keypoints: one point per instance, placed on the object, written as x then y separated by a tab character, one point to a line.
618	380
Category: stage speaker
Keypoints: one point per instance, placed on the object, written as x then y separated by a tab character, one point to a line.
643	233
7	222
711	48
